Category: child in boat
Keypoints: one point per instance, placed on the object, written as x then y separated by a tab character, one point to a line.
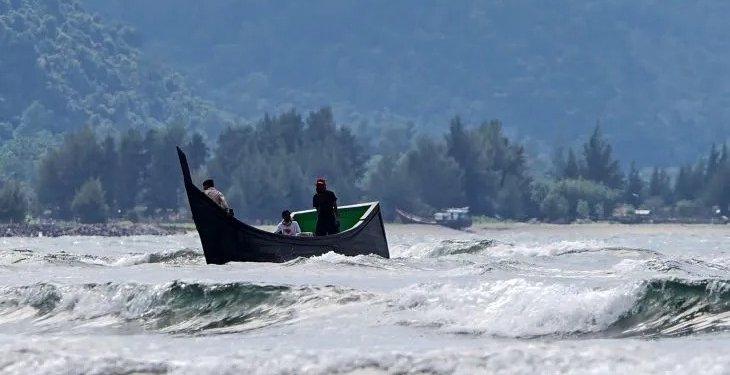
288	227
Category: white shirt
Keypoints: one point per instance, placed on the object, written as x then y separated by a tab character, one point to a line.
288	230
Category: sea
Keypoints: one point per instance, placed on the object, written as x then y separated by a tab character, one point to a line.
499	299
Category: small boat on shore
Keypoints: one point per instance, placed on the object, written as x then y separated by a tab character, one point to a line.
226	239
456	218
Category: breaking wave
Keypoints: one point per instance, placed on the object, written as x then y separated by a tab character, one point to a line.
524	309
175	307
676	307
501	249
444	247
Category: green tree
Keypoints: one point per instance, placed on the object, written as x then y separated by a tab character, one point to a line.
660	185
88	204
717	192
634	190
573	191
689	183
13	202
109	172
572	169
583	210
196	150
61	171
462	146
163	183
599	164
388	182
131	164
436	176
713	161
554	207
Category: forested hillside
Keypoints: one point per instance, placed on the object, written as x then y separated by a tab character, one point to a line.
61	68
654	73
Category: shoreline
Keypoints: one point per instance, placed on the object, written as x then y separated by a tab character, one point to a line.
125	229
113	229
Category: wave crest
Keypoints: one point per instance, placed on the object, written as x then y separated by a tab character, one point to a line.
175	307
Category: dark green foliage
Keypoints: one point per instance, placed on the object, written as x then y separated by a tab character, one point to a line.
20	156
599	163
463	148
689	182
197	151
572	192
389	182
495	173
63	169
572	169
131	160
109	173
717	191
13	202
660	185
273	165
433	175
555	207
634	190
162	177
88	204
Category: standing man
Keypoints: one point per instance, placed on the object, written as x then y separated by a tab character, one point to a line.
217	197
325	202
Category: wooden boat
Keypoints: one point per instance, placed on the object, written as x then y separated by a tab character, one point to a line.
456	218
226	239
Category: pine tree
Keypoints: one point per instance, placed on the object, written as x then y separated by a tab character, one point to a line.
599	163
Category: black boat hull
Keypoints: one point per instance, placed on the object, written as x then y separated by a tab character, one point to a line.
226	239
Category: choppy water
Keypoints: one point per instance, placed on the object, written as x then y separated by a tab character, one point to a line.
517	299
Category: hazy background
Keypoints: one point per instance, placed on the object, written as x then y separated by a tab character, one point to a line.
654	73
418	104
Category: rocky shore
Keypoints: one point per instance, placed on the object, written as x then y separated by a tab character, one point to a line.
76	229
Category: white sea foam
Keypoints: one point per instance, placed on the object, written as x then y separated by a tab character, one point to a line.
512	308
586	357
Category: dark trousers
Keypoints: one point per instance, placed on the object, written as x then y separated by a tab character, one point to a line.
326	226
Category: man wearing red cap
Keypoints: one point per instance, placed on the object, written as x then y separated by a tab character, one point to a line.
325	202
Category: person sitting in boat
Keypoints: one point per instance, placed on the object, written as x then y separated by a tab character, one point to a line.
325	202
287	227
217	197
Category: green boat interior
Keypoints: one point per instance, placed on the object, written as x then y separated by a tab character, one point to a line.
350	216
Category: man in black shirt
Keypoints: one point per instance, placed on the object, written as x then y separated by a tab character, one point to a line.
325	202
